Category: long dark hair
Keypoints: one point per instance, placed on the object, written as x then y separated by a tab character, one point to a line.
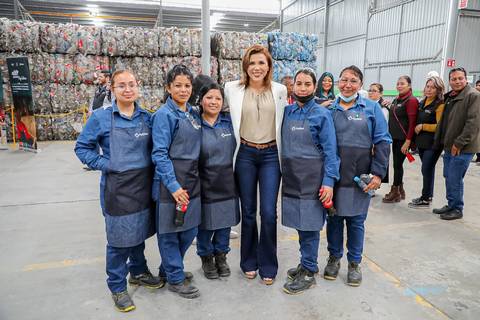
204	90
198	83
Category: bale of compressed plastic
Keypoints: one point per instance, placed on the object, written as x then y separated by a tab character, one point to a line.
229	70
113	41
48	37
293	46
282	68
4	23
151	97
61	69
66	35
194	64
146	42
157	74
233	45
83	95
67	127
169	41
89	40
44	128
23	36
42	99
86	66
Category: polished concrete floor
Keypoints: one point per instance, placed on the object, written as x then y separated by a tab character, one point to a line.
52	246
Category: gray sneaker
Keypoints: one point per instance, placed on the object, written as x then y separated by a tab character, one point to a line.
123	302
354	276
303	280
332	268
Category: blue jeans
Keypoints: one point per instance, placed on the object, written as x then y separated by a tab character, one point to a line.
309	242
355	236
454	170
173	247
260	167
118	268
429	159
213	241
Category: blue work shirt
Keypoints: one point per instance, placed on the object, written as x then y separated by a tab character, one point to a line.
164	127
323	135
97	132
223	121
378	128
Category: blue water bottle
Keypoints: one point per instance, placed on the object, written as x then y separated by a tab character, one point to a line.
362	185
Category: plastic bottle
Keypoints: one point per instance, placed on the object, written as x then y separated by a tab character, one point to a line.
180	211
362	185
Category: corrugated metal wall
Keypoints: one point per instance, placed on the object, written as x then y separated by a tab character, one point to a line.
467	45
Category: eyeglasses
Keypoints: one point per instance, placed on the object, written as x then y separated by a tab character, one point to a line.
123	87
352	82
373	91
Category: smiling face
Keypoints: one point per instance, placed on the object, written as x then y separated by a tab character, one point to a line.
349	83
430	91
304	85
125	88
403	86
374	93
257	67
180	89
458	81
212	103
327	84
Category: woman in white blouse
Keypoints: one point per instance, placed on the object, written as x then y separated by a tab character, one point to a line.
256	106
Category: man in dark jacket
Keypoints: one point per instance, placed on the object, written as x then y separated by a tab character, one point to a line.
102	94
458	135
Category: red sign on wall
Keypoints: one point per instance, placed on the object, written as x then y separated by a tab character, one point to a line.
462	4
451	63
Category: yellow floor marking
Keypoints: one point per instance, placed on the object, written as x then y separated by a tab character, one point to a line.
62	264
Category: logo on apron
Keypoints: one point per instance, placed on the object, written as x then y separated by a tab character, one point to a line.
297	128
356	118
142	134
224	135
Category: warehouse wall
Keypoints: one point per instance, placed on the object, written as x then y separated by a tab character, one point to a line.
467	44
387	38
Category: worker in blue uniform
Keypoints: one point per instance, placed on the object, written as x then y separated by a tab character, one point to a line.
361	128
177	137
310	167
123	132
220	204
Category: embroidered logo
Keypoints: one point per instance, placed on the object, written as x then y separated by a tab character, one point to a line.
143	134
356	118
297	128
224	135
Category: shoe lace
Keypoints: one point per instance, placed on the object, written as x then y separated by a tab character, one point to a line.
332	260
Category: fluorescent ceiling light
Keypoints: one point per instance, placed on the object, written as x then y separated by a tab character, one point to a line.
91	6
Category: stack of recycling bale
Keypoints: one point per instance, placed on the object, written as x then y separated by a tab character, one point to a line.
292	51
230	47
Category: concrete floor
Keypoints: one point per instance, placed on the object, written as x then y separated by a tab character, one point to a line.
52	241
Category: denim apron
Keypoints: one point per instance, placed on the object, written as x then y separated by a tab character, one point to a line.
302	175
354	143
128	182
220	206
184	153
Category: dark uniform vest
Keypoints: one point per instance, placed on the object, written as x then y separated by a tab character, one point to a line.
398	118
426	115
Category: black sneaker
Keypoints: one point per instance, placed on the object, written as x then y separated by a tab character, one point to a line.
221	263
441	210
303	280
354	276
123	302
209	268
331	269
185	290
452	215
147	280
420	203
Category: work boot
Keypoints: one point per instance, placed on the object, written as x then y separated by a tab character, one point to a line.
185	290
389	194
188	276
354	276
420	203
209	268
303	280
442	210
123	302
453	214
292	272
402	191
222	265
147	280
332	268
393	196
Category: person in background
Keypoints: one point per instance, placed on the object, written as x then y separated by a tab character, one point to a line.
123	132
401	122
198	83
477	86
360	127
429	114
310	167
325	91
458	134
375	93
177	136
287	81
256	106
220	206
103	96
